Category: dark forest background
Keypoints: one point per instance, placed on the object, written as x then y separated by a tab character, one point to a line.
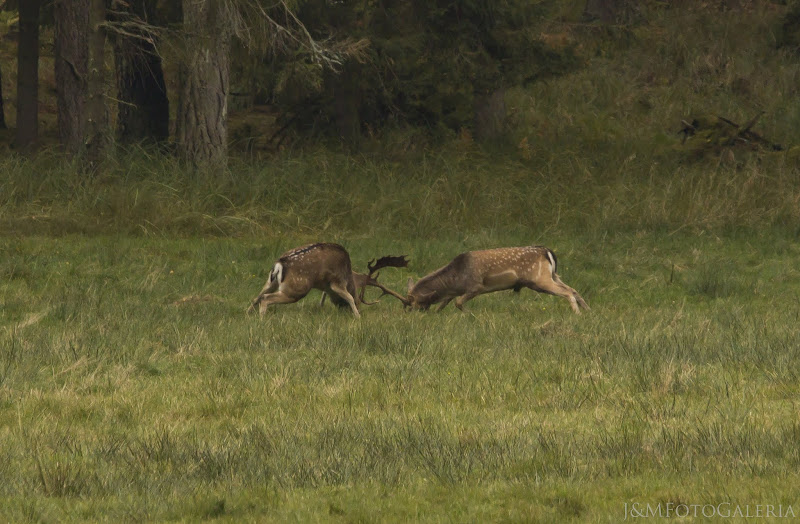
203	77
128	114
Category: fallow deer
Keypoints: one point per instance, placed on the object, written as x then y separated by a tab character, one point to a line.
362	280
477	272
320	266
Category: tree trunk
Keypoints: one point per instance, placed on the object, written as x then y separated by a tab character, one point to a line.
346	102
143	110
201	125
490	115
2	111
28	75
96	112
606	11
71	68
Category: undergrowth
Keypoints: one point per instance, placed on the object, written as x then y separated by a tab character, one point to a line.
462	189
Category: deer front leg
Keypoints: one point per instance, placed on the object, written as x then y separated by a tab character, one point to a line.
460	301
342	292
322	300
444	304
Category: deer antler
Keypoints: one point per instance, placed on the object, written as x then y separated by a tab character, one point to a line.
390	261
372	276
751	122
386	291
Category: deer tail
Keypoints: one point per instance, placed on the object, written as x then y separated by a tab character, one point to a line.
276	275
553	261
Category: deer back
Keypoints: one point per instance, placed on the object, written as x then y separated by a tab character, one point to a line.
314	266
495	267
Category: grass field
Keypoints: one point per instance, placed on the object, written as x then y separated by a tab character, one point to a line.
133	386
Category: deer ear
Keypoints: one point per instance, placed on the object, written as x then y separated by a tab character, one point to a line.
410	286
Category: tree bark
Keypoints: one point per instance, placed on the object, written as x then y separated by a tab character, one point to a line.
143	109
201	125
96	112
71	68
346	103
490	115
604	10
2	110
28	75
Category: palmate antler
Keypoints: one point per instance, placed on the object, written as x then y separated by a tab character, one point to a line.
389	261
372	277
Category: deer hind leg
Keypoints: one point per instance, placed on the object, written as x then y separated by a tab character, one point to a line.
270	287
559	289
279	297
578	298
342	292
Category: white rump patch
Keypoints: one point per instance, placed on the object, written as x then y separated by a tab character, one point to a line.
552	262
276	275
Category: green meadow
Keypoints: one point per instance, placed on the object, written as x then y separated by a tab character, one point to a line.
133	386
